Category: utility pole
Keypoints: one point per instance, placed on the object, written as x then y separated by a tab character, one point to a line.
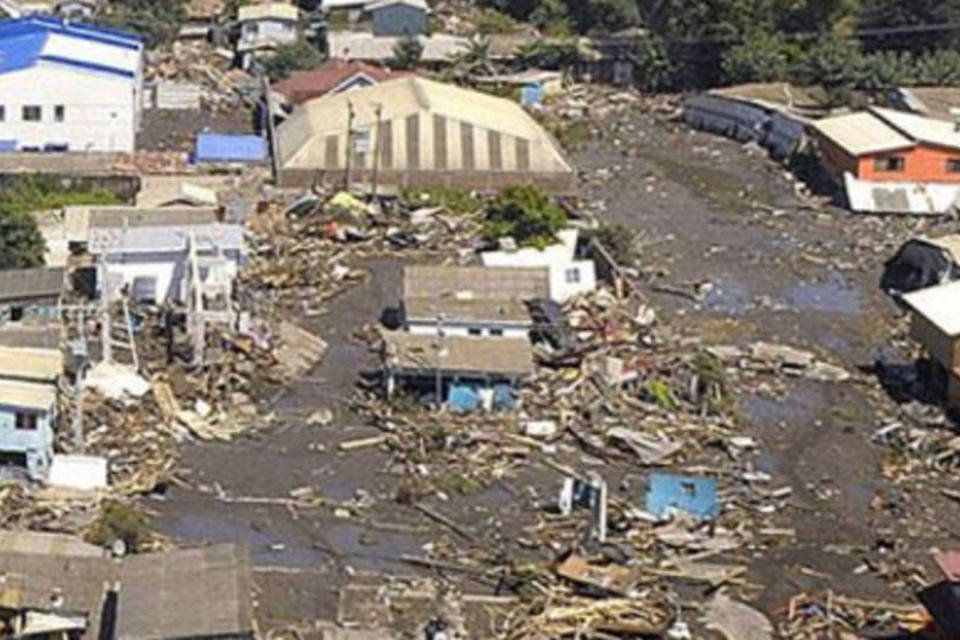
438	389
376	150
349	165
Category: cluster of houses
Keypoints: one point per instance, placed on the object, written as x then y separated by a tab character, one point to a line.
465	334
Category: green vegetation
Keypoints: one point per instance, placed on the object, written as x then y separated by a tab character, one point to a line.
21	244
291	57
619	240
157	22
458	201
493	21
407	53
118	521
526	214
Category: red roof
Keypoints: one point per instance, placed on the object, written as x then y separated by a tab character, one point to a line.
306	85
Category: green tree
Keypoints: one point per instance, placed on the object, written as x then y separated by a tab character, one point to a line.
157	21
833	61
654	67
761	57
526	214
21	245
407	53
289	58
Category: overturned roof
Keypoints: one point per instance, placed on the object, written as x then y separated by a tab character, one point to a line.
28	284
412	353
938	305
862	133
425	127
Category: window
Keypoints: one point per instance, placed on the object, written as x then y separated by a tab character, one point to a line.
572	275
953	165
892	163
496	332
251	28
59	113
474	331
3	113
16	314
26	421
32	113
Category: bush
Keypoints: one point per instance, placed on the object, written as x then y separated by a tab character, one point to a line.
118	521
761	57
526	214
492	21
157	21
454	200
407	53
291	57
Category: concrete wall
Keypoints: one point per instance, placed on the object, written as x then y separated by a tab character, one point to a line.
399	20
33	311
921	164
169	269
37	444
101	111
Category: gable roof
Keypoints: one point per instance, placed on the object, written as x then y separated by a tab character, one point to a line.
26	284
475	283
28	42
933	131
380	4
862	133
363	45
329	76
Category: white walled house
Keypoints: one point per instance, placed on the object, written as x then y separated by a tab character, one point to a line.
264	27
470	301
569	277
68	87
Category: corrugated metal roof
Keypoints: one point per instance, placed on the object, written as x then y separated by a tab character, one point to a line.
28	395
26	42
31	363
214	147
939	305
930	130
21	284
268	11
475	283
302	136
862	133
917	198
454	354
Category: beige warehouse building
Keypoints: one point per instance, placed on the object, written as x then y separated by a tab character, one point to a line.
414	132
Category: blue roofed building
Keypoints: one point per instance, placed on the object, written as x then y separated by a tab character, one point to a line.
68	87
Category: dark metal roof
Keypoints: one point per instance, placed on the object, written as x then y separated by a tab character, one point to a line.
20	284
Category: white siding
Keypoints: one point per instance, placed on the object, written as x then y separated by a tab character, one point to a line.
101	110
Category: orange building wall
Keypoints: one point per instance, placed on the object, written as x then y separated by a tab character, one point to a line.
922	164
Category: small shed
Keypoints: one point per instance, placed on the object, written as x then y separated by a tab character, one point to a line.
398	17
225	148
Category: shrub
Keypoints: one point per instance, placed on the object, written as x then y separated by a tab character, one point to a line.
527	214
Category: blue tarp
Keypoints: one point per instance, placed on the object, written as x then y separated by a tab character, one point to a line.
692	495
215	147
532	93
463	398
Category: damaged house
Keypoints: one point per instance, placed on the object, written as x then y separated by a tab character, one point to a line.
466	373
264	27
414	132
892	161
31	295
471	301
935	324
28	408
569	275
156	255
56	586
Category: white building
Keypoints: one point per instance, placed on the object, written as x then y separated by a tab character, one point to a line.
154	255
470	301
569	277
265	26
68	87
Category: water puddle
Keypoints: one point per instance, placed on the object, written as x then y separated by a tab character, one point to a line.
730	297
372	550
834	295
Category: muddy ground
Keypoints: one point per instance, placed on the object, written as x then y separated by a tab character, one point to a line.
709	211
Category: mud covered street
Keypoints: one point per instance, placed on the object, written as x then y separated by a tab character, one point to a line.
731	255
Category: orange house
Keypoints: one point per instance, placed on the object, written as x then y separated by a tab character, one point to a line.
883	145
